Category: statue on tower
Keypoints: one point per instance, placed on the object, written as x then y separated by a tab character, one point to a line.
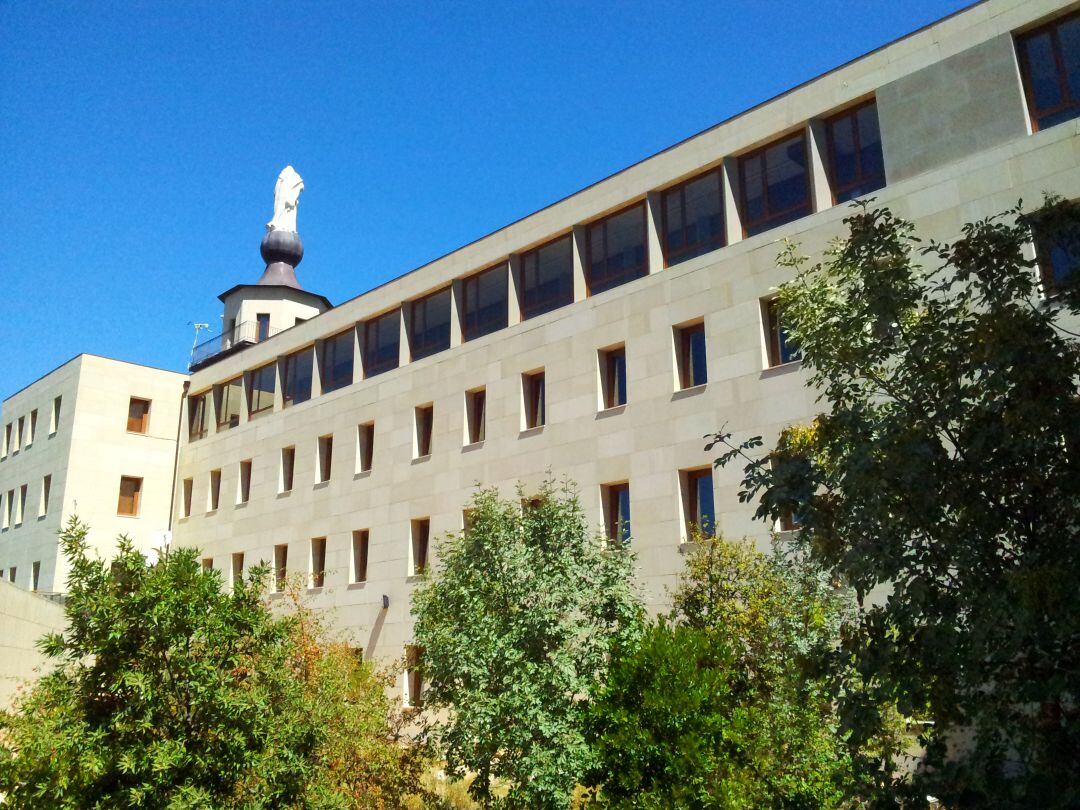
286	196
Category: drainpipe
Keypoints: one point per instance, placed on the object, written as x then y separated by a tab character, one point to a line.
176	453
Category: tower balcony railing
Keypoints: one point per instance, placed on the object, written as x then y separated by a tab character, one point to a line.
232	340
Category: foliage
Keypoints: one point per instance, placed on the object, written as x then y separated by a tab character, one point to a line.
723	705
516	628
170	693
945	476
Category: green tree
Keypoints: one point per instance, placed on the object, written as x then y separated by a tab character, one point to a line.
723	704
170	693
945	474
516	628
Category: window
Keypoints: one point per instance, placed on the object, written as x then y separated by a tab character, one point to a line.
612	377
11	574
547	277
337	361
138	419
261	385
693	214
54	422
359	555
429	324
33	428
414	681
1050	65
228	403
467	516
690	351
207	564
418	550
7	438
9	513
534	397
484	303
617	511
382	343
213	497
856	166
617	251
774	185
317	574
46	491
243	484
700	512
288	462
35	575
189	486
425	417
365	446
130	493
296	375
197	417
788	522
1057	249
326	457
236	572
21	512
262	320
781	348
20	432
281	566
475	415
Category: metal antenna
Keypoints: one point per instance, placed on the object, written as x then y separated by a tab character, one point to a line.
198	328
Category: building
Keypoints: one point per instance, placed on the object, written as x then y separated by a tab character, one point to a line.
601	337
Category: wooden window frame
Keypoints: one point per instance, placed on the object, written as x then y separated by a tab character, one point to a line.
625	276
46	493
365	447
54	420
326	457
688	251
773	326
533	309
33	426
361	540
424	425
281	566
612	497
243	483
610	378
193	434
288	468
317	562
373	327
476	417
773	219
470	289
222	398
289	364
420	542
251	377
139	424
1068	102
262	326
186	495
236	571
327	379
534	399
136	496
419	350
861	178
213	502
693	502
684	336
414	678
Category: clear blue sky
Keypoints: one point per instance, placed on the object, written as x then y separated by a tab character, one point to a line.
140	141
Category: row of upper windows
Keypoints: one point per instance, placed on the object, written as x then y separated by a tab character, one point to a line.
35	575
20	433
13	503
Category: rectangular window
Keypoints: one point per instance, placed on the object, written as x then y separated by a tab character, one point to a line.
197	417
288	463
382	343
11	574
281	566
700	512
54	422
425	418
788	522
547	277
35	575
1050	66
21	513
475	415
317	573
261	385
484	303
189	488
1057	250
781	348
359	555
693	214
326	457
429	324
213	498
613	376
7	438
617	511
774	185
130	494
9	513
20	433
33	427
690	351
418	551
207	564
138	418
243	484
229	396
617	251
365	446
337	361
856	166
534	399
46	492
296	373
414	681
236	573
262	321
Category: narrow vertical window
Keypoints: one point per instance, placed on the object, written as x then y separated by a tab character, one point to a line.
1057	251
229	397
856	165
699	509
534	398
21	515
424	417
243	484
693	218
261	385
138	417
1049	60
207	564
359	555
189	487
281	566
475	415
7	438
213	498
429	324
20	433
288	462
617	511
317	573
418	550
613	377
236	573
11	574
788	522
296	373
9	512
33	427
337	361
54	421
690	353
484	303
414	681
617	250
365	446
35	575
326	457
382	343
46	492
130	494
262	320
547	277
196	417
781	348
774	185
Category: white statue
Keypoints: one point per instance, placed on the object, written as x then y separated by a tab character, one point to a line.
286	194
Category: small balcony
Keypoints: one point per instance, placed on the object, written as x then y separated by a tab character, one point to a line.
229	342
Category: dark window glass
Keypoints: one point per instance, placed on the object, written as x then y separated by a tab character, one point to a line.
701	513
476	408
614	369
425	418
281	566
196	417
263	326
365	446
484	303
855	162
1050	66
535	394
1057	248
228	404
382	339
693	218
774	185
429	324
337	365
547	277
618	512
261	389
359	555
421	531
781	348
693	369
296	378
617	252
